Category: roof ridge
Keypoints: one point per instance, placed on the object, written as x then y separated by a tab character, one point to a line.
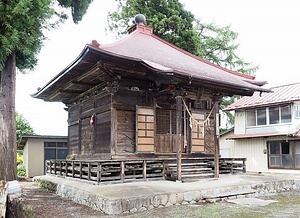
284	85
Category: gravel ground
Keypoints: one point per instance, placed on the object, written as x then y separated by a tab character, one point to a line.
40	203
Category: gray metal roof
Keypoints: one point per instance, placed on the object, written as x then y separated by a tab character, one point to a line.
279	95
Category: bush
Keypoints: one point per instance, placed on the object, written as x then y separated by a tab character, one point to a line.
21	171
19	157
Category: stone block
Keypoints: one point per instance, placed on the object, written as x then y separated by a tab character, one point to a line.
164	199
112	207
156	200
129	204
173	199
180	198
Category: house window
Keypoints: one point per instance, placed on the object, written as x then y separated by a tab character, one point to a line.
256	117
261	117
297	111
269	115
251	118
55	150
274	115
286	115
284	154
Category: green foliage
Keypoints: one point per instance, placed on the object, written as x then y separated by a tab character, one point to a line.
22	25
22	127
178	26
78	8
21	171
21	30
217	45
169	20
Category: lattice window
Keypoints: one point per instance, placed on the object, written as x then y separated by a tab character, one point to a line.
145	129
165	121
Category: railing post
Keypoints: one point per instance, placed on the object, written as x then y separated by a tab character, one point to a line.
54	167
99	168
80	169
73	168
122	171
89	171
60	167
244	165
145	169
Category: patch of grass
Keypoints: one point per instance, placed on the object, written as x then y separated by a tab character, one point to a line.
28	211
47	185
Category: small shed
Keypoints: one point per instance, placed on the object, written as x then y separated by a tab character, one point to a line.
39	148
142	97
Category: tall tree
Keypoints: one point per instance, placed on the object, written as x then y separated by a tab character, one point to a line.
22	127
21	37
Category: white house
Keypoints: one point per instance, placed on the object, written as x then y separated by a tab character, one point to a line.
267	130
38	148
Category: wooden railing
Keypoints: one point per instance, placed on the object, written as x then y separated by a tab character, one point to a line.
232	165
107	171
120	171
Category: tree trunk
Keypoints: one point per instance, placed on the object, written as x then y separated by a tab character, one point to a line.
8	120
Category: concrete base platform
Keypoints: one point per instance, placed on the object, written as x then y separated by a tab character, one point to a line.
140	196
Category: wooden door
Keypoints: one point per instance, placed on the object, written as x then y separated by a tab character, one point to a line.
165	131
198	133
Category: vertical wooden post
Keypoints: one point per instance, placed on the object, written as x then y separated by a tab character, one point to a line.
217	147
80	169
73	169
122	171
54	167
144	169
244	165
99	169
178	132
89	171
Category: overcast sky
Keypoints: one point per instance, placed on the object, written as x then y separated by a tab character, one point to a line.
268	36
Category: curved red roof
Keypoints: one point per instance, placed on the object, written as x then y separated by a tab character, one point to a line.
143	51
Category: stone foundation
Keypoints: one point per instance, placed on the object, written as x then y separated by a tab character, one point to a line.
142	203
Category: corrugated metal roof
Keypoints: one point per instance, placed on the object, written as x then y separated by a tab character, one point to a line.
279	95
263	135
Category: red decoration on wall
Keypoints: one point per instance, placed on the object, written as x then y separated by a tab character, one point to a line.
92	120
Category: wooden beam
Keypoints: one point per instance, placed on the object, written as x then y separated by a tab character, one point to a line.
178	132
216	135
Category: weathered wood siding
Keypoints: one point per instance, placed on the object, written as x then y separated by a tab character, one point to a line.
125	132
86	139
73	130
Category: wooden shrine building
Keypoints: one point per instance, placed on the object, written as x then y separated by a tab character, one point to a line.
143	98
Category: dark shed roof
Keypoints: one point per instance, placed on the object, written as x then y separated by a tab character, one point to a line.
144	55
25	138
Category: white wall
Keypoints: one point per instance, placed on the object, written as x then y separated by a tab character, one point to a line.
35	157
253	150
226	146
239	122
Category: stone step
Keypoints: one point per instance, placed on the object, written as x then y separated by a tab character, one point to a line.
219	196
